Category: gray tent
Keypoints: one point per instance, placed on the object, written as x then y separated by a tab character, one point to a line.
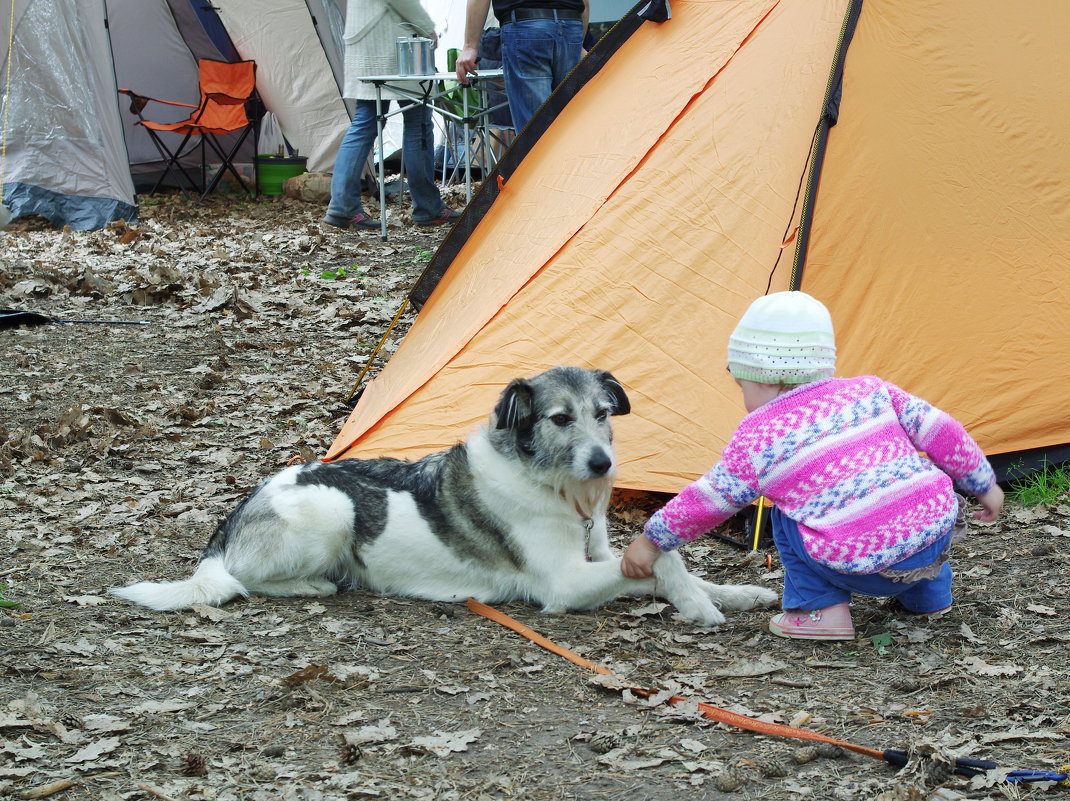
71	151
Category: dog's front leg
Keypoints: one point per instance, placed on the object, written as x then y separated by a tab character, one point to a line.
592	584
684	591
588	585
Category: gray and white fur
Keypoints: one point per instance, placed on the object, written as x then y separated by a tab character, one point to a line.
515	513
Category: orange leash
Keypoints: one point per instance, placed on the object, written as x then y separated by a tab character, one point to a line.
708	710
962	766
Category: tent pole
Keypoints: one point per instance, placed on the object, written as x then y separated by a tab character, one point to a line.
829	115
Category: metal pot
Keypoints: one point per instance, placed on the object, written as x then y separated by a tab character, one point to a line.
416	56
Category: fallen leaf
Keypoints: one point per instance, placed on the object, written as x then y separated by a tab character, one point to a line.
1040	609
35	751
213	613
95	750
619	759
104	723
157	707
85	600
1054	531
445	744
307	674
694	746
655	608
1020	734
980	667
371	734
611	681
750	667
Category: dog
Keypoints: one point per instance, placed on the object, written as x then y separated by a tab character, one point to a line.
515	513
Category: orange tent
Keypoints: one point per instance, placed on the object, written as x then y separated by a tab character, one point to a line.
903	162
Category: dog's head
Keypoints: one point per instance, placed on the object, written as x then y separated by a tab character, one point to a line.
558	421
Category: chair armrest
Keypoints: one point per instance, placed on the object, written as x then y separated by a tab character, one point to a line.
138	102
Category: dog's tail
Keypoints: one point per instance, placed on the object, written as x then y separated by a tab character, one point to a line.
210	584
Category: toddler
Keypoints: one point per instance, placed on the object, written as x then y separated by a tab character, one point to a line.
858	510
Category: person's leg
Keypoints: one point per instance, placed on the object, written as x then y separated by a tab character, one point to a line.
418	142
815	608
567	50
527	62
929	595
353	153
807	585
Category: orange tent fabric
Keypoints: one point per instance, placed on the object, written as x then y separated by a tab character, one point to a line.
663	198
941	235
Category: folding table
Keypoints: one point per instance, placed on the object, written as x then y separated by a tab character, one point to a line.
426	89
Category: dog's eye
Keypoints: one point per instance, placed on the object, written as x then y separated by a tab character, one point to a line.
601	415
560	419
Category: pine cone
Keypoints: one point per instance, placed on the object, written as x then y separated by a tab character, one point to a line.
193	765
349	754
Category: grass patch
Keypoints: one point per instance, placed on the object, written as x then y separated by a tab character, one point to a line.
1049	484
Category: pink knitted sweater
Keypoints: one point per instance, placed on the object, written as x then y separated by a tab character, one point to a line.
840	457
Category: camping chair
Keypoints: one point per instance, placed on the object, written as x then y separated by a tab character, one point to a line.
229	103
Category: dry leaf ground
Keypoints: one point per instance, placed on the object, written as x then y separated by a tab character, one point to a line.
121	446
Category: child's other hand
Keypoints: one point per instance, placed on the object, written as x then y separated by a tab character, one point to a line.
991	503
639	558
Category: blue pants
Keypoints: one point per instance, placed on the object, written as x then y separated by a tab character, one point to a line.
537	54
418	146
811	585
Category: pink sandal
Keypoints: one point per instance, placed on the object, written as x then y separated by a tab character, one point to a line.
831	623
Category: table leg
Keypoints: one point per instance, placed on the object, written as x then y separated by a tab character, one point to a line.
379	120
467	149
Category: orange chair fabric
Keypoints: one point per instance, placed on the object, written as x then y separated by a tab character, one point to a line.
226	89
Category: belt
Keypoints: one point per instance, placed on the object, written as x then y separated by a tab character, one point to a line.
541	13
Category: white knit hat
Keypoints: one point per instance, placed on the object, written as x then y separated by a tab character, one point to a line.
783	338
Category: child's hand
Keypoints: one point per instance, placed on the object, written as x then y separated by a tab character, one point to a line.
991	503
639	558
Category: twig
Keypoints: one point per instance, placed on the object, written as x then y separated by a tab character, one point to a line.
800	683
153	791
45	790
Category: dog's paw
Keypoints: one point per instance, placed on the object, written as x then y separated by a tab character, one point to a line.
739	597
699	609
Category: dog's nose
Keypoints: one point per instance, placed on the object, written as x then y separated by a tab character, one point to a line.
599	463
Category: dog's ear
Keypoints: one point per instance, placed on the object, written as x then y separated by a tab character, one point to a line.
621	404
514	409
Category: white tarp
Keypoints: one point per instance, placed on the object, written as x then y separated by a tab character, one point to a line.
293	75
64	153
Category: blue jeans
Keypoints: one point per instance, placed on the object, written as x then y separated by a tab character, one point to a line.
418	147
810	585
537	54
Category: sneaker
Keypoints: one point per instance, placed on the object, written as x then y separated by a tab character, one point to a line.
831	623
447	215
360	220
